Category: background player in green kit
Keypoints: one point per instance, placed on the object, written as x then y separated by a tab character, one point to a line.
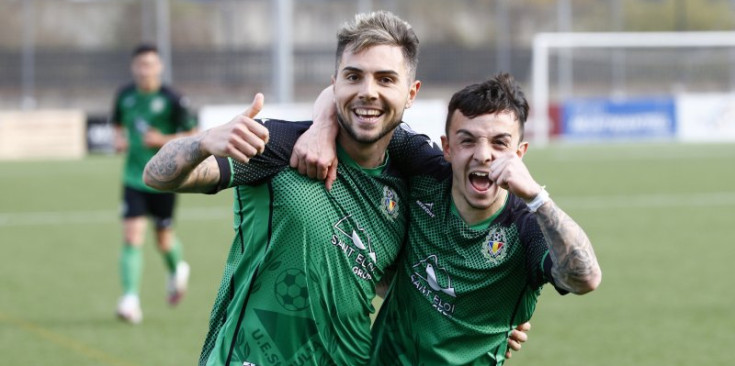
146	115
304	264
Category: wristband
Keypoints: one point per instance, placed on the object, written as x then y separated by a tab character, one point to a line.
541	198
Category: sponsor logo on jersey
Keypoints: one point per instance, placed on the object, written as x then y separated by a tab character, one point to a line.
354	241
434	282
389	204
495	246
157	104
428	207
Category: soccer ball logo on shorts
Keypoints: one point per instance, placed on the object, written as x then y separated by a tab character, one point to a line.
389	203
495	246
291	291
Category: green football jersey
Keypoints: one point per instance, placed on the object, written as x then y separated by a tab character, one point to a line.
459	290
136	111
302	269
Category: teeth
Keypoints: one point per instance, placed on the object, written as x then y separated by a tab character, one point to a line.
367	112
479	174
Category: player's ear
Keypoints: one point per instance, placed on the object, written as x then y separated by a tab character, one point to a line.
412	92
522	148
446	149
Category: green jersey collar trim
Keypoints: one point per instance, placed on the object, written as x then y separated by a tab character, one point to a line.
346	159
484	224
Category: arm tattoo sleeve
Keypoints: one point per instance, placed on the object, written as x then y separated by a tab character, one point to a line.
180	166
575	266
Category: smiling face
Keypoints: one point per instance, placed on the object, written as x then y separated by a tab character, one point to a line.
471	145
372	88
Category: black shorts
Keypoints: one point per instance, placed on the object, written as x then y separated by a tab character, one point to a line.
160	206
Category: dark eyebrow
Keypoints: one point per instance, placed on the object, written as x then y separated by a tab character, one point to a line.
502	135
379	72
462	131
351	68
498	136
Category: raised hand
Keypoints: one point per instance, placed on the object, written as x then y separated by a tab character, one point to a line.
509	172
241	138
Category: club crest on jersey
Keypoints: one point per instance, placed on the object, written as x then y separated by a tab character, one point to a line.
157	105
389	204
495	246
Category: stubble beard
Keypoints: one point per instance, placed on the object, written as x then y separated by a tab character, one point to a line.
348	128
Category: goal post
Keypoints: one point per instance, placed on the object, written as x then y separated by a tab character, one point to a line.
546	43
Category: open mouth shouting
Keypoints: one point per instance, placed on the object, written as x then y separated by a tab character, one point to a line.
480	181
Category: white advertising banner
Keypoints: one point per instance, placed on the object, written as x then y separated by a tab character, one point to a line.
706	117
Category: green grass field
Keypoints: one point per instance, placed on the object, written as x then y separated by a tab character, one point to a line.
661	218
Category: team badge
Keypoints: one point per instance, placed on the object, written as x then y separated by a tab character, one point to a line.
157	105
495	246
389	204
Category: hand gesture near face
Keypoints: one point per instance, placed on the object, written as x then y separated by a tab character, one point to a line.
510	173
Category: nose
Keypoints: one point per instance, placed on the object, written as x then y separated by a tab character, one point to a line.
483	152
369	90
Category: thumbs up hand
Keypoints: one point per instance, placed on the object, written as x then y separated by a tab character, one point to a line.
242	138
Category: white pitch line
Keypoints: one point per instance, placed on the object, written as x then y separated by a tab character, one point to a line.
221	213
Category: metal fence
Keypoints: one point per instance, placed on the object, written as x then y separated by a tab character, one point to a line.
75	53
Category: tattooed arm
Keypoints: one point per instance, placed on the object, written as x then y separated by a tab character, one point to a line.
182	166
187	164
575	266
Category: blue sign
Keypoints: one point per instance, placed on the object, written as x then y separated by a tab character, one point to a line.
607	119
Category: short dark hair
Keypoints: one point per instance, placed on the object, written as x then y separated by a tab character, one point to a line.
501	93
144	48
375	29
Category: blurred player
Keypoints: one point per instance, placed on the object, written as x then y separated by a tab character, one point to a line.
146	115
483	238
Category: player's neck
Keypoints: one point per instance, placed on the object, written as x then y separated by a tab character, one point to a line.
473	216
149	87
368	156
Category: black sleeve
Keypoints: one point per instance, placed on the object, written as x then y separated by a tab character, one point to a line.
415	154
180	116
275	158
